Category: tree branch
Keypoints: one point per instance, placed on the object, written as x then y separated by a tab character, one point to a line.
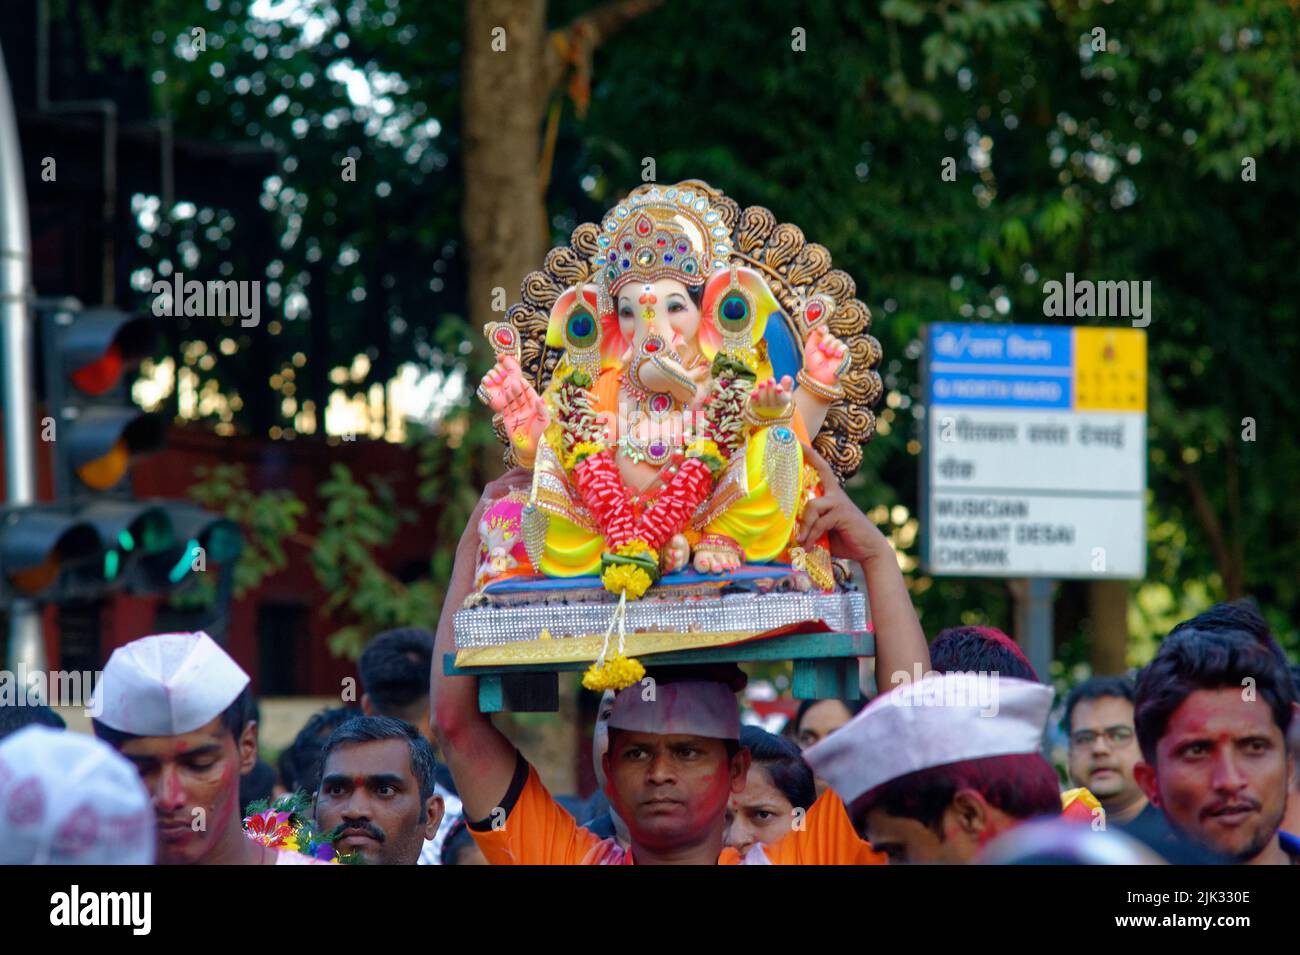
1236	583
1209	520
589	31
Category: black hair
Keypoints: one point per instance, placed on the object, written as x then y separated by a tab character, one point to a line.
1096	688
258	783
853	706
1023	785
234	718
1220	648
784	764
980	650
300	762
14	717
394	668
371	729
457	841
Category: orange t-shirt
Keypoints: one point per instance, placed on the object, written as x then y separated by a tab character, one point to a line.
536	830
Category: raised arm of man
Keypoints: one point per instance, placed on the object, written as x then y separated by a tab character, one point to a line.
900	641
480	757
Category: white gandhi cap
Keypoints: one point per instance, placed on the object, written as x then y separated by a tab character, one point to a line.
941	719
166	685
69	799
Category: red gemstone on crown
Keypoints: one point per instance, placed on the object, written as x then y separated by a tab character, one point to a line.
652	346
504	337
643	226
815	311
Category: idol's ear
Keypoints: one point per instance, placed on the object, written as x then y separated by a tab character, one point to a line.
566	328
734	311
613	343
575	325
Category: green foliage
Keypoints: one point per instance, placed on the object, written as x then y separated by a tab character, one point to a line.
267	520
1116	164
356	522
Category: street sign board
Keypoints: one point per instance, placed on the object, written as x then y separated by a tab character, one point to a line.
1034	463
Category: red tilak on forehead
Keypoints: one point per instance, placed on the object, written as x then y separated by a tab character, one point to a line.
358	781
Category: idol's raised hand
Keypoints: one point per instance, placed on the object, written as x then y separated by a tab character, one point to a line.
825	357
522	409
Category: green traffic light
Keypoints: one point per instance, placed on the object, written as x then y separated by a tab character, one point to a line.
126	540
177	573
112	563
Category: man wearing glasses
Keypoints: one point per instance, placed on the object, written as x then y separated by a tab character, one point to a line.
1103	744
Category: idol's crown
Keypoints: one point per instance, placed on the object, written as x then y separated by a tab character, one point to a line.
662	233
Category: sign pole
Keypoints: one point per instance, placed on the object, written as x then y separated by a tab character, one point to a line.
1034	599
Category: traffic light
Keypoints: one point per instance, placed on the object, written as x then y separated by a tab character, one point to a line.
128	532
198	536
40	546
120	542
97	429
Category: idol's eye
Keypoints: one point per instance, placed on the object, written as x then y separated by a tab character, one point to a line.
580	330
733	311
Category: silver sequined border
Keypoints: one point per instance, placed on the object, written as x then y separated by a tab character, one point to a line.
494	626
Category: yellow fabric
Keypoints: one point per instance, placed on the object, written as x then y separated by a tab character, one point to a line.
755	522
570	550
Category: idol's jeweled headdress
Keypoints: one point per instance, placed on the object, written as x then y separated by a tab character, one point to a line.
585	274
662	233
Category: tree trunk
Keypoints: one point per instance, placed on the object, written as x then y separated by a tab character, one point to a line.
1108	610
503	101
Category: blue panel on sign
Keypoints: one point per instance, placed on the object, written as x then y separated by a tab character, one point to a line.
1000	391
1026	347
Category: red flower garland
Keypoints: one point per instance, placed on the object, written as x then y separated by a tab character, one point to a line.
673	508
603	490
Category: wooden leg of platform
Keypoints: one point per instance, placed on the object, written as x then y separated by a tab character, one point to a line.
826	679
531	692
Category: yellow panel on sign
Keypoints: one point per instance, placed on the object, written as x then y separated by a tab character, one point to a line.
1110	369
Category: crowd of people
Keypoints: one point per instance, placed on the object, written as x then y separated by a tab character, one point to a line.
1197	759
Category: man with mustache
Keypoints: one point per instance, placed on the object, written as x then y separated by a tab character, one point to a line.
1098	721
1212	715
377	788
178	707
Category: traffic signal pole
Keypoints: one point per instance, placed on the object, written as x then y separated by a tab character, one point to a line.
26	640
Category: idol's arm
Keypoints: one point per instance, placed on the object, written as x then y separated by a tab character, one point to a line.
482	760
812	410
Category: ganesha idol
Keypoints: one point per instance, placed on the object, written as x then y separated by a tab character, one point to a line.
664	405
